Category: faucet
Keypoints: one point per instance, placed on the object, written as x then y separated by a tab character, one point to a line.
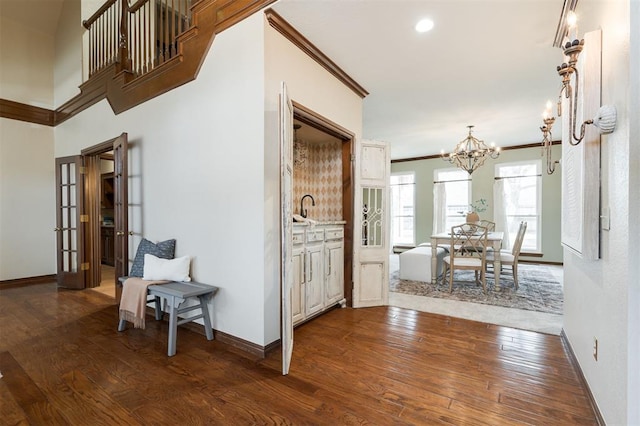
303	211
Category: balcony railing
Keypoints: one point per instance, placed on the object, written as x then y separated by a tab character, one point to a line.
136	38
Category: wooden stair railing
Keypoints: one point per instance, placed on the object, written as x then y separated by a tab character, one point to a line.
140	51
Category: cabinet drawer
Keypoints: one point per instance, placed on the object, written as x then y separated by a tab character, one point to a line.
334	234
316	235
298	237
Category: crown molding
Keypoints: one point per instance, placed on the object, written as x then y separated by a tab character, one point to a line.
295	37
506	148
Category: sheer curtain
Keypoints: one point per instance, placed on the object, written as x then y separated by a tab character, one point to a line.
439	207
500	212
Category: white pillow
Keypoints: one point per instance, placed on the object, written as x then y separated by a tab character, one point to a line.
156	268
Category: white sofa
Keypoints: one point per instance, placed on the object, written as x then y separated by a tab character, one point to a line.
415	264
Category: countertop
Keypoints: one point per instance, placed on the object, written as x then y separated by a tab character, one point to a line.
321	223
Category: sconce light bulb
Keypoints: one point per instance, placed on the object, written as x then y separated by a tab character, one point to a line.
572	19
549	105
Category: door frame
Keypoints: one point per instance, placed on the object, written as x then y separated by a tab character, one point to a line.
317	121
92	192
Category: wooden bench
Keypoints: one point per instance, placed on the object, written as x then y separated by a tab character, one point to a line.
174	294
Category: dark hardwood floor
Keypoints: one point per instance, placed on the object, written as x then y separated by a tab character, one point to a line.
63	362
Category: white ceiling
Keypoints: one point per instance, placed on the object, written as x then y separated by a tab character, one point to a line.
486	63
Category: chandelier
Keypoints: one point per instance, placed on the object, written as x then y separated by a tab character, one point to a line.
470	153
299	147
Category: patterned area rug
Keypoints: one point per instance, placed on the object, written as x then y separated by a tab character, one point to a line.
538	290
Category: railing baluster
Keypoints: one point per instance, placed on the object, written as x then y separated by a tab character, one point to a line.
137	37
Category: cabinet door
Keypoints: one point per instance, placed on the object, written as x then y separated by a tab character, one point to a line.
297	299
314	280
334	267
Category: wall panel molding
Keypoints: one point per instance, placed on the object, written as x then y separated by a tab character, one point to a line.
29	113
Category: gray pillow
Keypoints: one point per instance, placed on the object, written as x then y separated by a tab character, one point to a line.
163	250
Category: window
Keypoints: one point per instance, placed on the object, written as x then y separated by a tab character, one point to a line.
519	192
403	209
452	196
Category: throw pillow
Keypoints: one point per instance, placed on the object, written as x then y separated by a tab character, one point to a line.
166	269
163	249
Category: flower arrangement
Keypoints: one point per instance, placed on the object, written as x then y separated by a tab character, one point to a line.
478	206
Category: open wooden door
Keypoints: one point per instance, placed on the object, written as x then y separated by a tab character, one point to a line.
286	226
371	224
70	222
120	210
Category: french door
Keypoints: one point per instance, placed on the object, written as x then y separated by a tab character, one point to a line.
120	210
371	227
78	224
70	222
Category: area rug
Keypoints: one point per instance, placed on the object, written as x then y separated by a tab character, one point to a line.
538	289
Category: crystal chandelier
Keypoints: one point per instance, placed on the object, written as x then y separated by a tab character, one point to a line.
470	153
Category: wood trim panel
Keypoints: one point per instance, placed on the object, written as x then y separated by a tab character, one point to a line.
23	112
22	282
506	148
571	356
241	344
291	34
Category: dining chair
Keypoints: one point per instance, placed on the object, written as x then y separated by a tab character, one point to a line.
510	257
468	252
491	226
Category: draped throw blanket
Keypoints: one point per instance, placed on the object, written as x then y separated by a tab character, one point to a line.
133	303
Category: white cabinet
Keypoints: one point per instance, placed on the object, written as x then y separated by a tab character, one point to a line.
297	297
314	279
318	269
334	266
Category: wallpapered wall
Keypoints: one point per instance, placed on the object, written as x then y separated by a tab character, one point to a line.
321	176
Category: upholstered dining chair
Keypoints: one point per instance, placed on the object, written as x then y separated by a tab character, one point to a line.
511	257
468	252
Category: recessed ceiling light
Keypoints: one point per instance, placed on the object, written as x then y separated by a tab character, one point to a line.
424	25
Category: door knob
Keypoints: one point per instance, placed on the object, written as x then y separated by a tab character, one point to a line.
119	233
57	229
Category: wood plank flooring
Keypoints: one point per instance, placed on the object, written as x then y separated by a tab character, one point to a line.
63	362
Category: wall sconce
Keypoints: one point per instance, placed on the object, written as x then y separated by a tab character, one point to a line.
606	117
547	138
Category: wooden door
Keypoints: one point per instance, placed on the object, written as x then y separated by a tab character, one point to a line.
371	225
286	226
120	210
70	222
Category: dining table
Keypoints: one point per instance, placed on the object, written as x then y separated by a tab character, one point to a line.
494	240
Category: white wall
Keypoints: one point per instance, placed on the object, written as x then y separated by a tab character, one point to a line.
601	297
312	86
27	197
26	68
27	200
482	187
67	73
196	161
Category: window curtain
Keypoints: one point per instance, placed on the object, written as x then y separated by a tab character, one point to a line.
500	212
439	207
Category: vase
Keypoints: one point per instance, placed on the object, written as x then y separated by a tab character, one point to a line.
472	217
